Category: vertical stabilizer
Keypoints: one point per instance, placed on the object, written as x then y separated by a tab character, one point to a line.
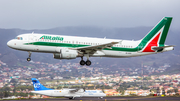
157	36
38	86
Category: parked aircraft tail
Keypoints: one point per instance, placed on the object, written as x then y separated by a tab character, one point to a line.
38	86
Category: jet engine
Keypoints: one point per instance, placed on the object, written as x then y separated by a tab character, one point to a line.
66	54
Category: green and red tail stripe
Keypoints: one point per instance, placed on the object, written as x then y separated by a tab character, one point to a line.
157	36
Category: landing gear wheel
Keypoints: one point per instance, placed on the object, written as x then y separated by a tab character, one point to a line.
82	62
70	98
88	63
28	59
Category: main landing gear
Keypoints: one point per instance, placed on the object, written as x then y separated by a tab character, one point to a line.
71	98
29	58
88	62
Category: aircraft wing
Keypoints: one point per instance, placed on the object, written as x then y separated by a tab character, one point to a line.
97	47
74	90
161	48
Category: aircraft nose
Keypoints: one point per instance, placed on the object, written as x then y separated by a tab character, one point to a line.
10	43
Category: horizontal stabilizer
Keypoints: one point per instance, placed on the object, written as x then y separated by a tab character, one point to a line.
161	48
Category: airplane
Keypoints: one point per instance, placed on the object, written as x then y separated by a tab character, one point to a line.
71	47
66	92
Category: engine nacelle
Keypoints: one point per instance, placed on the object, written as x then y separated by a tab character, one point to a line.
66	54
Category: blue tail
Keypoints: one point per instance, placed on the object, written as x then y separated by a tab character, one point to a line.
38	86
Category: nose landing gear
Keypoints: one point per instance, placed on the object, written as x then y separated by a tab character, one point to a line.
29	58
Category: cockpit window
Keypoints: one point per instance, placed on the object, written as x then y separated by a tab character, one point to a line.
19	38
100	92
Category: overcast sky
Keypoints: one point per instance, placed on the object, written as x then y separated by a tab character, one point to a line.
45	14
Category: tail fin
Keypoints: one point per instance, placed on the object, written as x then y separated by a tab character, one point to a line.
157	36
38	86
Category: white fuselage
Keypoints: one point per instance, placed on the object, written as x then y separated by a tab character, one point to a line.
34	43
67	93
